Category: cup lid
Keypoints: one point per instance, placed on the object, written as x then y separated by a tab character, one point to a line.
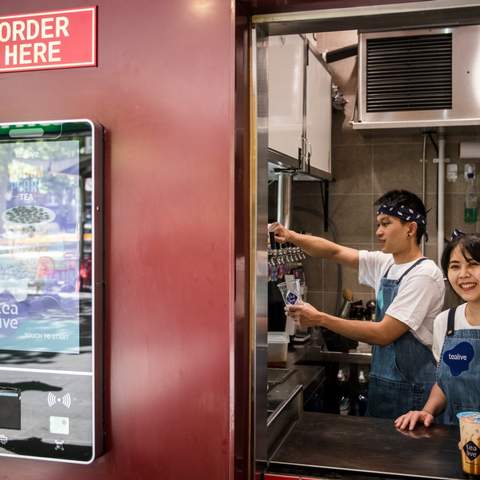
471	416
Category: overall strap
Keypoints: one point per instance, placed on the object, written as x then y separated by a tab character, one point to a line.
451	322
420	260
388	269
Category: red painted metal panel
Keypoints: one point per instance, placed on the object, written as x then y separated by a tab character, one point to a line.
242	244
164	89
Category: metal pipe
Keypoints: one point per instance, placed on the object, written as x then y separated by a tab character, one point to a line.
441	194
304	152
284	198
341	53
424	180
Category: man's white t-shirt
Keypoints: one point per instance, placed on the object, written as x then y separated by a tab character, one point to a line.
440	328
420	294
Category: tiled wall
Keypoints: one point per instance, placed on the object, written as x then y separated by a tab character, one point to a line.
365	165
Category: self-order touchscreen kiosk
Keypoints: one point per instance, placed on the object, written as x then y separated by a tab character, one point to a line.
51	290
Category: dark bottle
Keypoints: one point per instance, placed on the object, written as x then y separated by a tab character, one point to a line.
362	398
342	386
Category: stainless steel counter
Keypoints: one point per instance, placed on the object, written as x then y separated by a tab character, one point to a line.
314	355
288	388
320	443
281	382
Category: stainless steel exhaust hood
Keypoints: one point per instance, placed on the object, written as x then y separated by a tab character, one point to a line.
419	78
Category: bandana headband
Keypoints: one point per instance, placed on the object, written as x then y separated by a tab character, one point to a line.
457	233
404	213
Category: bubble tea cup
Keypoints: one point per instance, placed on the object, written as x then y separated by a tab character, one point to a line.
291	291
470	441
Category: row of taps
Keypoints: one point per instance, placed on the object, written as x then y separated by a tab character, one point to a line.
284	254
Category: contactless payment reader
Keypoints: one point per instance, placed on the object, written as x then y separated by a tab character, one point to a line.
51	290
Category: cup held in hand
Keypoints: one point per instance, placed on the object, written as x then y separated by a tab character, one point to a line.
291	292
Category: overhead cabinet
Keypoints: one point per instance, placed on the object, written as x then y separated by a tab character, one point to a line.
318	118
285	79
299	106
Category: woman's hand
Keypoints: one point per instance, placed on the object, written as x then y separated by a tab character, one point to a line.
304	313
410	419
282	234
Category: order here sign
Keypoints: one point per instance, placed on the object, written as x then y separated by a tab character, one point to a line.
58	39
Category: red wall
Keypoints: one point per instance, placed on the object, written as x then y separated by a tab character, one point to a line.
164	90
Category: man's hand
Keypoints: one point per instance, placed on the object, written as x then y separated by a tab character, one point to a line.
410	419
305	314
282	234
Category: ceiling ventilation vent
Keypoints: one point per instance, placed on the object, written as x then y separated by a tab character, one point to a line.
409	73
426	77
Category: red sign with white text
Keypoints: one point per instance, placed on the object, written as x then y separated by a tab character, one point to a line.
58	39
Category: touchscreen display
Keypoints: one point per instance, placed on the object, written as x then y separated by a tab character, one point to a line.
42	231
51	290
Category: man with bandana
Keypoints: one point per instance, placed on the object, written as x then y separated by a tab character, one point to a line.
409	292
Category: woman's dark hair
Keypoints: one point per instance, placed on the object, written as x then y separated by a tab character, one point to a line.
396	198
469	244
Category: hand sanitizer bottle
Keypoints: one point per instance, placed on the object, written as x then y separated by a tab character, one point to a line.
470	212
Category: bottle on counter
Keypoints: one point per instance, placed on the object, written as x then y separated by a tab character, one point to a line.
347	302
362	398
344	407
370	308
343	377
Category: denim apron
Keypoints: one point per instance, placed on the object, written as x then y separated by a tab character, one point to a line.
402	373
458	372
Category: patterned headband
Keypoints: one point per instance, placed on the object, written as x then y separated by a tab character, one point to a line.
457	233
404	213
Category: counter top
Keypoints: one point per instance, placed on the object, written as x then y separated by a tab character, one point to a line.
305	366
322	442
282	381
288	389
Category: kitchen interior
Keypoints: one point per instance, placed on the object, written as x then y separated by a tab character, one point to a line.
343	127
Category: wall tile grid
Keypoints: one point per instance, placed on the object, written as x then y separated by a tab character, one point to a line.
365	165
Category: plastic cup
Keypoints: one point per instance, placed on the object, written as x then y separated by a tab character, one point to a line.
470	441
291	292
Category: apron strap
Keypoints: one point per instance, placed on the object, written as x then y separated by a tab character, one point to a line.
420	260
451	322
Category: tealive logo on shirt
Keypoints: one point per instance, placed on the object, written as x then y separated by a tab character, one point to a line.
59	39
457	356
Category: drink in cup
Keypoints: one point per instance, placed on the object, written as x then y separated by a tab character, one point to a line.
470	441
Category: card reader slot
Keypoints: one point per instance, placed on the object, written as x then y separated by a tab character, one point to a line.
10	416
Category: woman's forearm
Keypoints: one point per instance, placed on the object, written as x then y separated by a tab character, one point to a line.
436	401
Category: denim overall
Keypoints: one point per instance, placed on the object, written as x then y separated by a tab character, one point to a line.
458	372
402	373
